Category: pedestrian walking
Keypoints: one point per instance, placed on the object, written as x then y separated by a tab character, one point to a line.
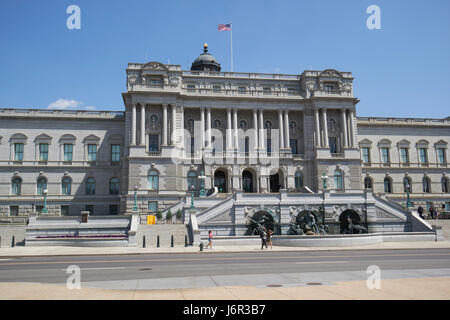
435	213
430	213
210	237
263	235
420	211
269	238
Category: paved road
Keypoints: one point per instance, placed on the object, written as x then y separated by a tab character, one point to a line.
167	271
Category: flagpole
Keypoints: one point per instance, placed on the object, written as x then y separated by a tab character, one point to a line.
231	40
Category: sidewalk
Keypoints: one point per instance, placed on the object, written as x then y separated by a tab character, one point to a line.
74	251
403	289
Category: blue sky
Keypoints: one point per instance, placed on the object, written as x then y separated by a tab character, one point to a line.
401	70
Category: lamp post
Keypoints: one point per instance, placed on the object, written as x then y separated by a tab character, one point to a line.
408	203
135	207
324	180
202	179
44	210
192	197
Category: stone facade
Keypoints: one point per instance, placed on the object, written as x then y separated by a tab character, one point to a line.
244	132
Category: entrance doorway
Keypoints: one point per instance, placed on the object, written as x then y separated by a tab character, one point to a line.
247	181
276	181
220	181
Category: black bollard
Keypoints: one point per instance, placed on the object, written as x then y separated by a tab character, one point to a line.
13	240
143	242
185	241
157	241
171	241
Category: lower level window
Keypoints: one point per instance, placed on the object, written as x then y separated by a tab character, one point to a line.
113	209
152	206
64	210
14	211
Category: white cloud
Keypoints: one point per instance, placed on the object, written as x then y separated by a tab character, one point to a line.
69	104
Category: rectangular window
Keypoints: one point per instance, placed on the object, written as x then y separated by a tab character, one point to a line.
333	144
152	206
441	155
68	151
247	145
447	207
423	155
113	209
90	208
385	155
242	90
217	88
328	88
14	211
293	145
64	210
365	155
153	142
18	151
404	156
266	90
115	153
92	152
191	88
43	151
269	146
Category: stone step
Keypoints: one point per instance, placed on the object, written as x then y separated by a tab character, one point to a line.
165	233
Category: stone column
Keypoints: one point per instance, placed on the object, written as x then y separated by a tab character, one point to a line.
202	127
133	125
173	139
164	127
208	128
281	128
229	129
255	127
261	129
316	116
287	143
352	131
344	127
235	123
325	127
142	143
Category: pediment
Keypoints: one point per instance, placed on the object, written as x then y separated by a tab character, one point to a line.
43	137
19	136
154	66
91	138
331	73
365	142
422	142
67	137
403	143
385	142
439	143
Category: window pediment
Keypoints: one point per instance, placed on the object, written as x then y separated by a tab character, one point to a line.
366	143
18	137
422	144
439	144
385	143
43	138
66	138
403	144
92	138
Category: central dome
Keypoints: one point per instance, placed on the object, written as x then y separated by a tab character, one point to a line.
206	62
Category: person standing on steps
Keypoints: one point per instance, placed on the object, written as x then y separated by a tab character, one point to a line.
263	235
210	237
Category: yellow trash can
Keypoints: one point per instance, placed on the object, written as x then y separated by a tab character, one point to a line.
151	219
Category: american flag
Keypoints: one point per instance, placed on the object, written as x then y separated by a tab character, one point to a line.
224	27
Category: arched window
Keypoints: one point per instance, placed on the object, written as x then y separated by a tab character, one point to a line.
41	185
368	183
445	184
114	186
90	185
66	186
338	180
298	180
153	180
388	185
426	185
16	186
406	183
192	180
